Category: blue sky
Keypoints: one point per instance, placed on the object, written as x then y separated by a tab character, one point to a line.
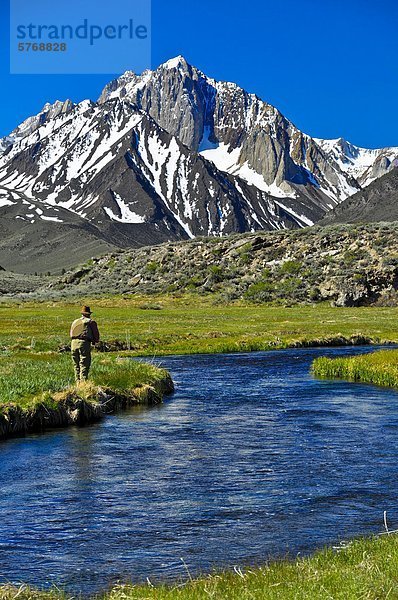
330	66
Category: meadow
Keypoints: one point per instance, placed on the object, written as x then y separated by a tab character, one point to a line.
32	368
164	325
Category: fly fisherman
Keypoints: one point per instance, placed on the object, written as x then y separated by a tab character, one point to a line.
83	332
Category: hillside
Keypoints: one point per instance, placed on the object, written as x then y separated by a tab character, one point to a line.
345	265
16	283
377	202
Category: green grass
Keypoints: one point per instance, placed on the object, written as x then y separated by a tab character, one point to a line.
191	325
29	379
365	569
379	368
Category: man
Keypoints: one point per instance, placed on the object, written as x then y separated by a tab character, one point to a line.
83	332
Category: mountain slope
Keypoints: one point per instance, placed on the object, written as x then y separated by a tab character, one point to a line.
363	164
116	168
348	265
244	135
377	202
35	237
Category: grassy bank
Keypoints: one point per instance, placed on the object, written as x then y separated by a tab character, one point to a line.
26	379
380	368
366	568
37	391
164	325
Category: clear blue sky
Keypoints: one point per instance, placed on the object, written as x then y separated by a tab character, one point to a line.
329	65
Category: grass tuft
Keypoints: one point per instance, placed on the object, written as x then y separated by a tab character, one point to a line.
379	368
27	380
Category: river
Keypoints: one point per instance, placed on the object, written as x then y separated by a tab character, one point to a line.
251	458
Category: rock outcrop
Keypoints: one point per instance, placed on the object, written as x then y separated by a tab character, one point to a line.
344	265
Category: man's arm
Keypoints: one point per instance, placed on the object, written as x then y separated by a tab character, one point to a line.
95	332
71	330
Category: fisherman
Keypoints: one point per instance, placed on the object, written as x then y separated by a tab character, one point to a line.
84	332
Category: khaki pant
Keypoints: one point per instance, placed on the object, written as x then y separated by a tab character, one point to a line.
81	356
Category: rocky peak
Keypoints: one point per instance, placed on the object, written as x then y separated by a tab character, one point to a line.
240	133
31	124
178	62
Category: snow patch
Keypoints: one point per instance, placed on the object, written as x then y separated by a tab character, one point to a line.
228	161
222	157
127	215
174	63
55	219
254	178
6	202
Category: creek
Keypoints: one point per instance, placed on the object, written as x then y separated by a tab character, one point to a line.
251	458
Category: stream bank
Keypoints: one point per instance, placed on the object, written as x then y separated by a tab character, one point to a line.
78	405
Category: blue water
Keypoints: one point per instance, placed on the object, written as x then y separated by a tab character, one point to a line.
251	458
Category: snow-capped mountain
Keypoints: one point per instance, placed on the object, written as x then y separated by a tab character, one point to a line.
363	164
244	135
172	154
112	161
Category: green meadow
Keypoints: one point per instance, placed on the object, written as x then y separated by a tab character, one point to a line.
166	325
31	334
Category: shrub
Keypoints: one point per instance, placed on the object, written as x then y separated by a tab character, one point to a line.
259	292
111	264
290	267
194	282
216	273
314	294
289	287
152	266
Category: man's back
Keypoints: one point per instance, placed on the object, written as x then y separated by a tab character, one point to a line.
84	329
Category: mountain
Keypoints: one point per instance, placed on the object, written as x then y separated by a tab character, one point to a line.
247	137
361	163
170	154
38	237
377	202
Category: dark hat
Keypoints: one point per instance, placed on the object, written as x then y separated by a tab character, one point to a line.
85	310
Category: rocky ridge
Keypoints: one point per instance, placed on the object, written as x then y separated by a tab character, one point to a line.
245	136
344	265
